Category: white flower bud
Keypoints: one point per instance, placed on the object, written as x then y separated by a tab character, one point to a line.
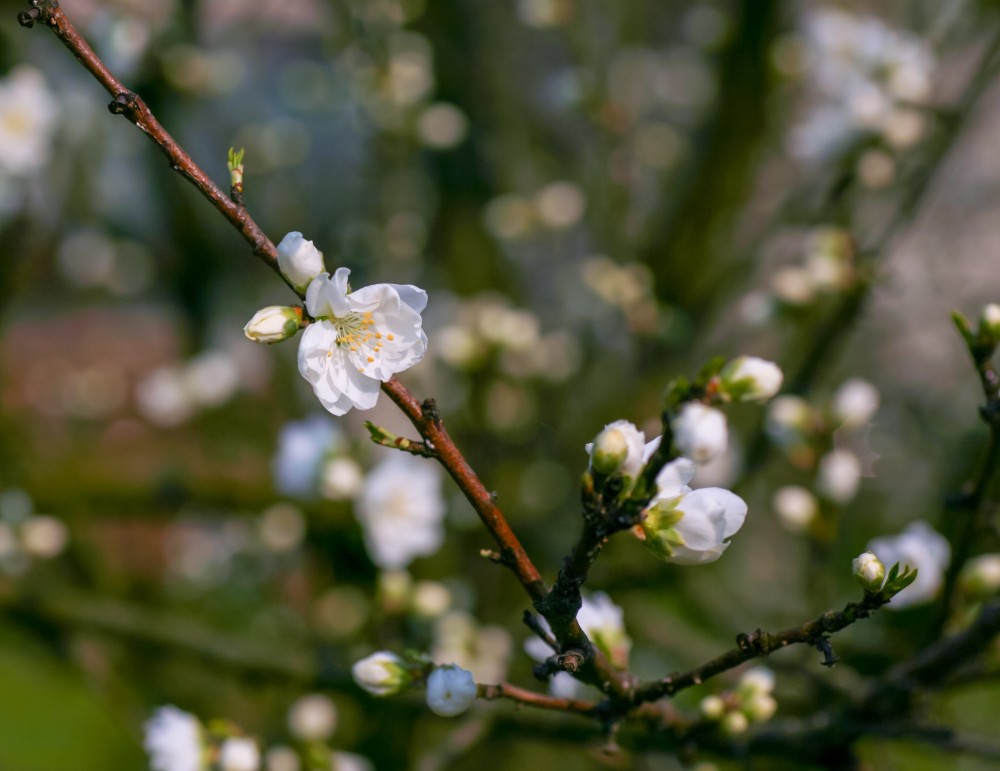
839	475
757	680
980	576
619	447
273	324
713	707
760	707
748	378
312	718
381	674
700	432
990	319
299	260
869	571
450	690
735	723
855	402
796	507
239	754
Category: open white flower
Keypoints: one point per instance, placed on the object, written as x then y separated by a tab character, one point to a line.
360	339
690	527
239	753
450	691
173	740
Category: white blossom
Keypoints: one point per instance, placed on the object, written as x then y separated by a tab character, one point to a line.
312	718
690	527
28	114
855	402
359	339
450	691
839	475
299	260
980	576
604	623
749	378
350	761
44	536
173	740
990	318
619	447
795	506
340	479
273	324
381	674
401	509
239	753
302	447
700	432
919	546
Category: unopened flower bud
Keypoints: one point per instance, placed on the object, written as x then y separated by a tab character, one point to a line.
869	571
450	690
700	432
751	379
618	448
735	723
855	402
381	674
273	324
757	680
299	260
760	707
980	577
713	707
989	320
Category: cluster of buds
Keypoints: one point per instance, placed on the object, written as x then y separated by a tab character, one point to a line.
450	690
751	702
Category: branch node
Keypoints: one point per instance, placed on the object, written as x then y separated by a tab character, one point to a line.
123	102
429	411
27	18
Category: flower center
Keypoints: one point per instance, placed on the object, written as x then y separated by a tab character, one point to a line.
357	333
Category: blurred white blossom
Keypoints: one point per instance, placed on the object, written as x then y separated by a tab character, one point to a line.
303	445
239	753
28	114
401	510
312	718
173	740
700	432
839	475
919	546
855	402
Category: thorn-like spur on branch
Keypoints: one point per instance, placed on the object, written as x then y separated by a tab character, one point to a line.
129	104
386	438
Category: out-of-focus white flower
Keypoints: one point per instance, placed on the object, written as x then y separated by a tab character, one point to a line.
560	204
381	674
788	415
700	432
795	506
28	114
282	527
430	599
44	536
173	740
340	479
359	339
869	571
760	707
273	324
980	576
793	285
918	546
690	527
442	126
749	378
239	753
299	260
757	680
282	758
312	718
302	447
855	402
735	723
604	623
482	649
990	318
619	447
839	475
450	691
712	707
401	510
350	761
162	397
